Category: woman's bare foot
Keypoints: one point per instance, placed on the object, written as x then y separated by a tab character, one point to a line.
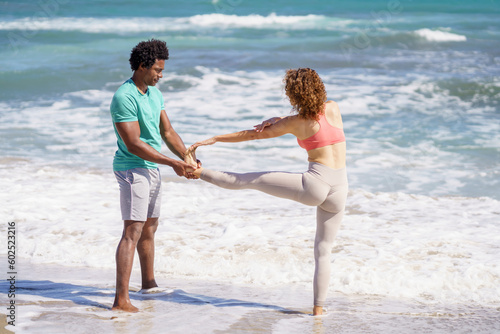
190	160
317	310
197	172
126	307
189	157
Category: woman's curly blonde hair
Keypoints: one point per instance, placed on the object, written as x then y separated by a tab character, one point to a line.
306	92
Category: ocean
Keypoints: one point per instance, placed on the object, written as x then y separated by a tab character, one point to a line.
417	83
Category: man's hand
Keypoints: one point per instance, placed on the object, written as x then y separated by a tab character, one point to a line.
183	169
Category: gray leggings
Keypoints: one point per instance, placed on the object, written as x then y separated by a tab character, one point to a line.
320	186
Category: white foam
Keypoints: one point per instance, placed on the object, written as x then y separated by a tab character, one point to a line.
440	35
257	21
150	24
431	249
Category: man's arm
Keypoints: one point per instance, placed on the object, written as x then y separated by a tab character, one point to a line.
174	141
130	133
171	137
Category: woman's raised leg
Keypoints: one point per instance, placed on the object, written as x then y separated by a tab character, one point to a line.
279	184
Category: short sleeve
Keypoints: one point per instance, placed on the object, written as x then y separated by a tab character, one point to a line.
123	108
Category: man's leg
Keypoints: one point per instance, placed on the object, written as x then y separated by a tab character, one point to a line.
146	250
132	231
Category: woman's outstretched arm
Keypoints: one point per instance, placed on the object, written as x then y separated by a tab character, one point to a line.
266	129
270	128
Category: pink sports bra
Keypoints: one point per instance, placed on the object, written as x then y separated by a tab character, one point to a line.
326	135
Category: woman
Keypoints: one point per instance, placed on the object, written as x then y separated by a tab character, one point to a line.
318	128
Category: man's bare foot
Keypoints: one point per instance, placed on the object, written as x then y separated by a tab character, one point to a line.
149	284
317	310
126	307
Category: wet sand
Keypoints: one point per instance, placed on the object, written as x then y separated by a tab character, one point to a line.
59	299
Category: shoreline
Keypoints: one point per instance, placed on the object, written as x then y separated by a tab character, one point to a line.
58	299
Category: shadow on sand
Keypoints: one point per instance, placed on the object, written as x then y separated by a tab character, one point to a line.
82	295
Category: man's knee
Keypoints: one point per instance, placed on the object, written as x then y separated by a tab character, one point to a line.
151	225
149	229
132	230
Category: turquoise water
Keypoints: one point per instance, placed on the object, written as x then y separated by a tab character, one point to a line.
417	81
418	85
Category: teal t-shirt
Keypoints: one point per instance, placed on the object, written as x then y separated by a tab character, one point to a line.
129	105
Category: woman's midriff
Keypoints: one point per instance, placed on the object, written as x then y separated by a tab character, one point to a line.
332	156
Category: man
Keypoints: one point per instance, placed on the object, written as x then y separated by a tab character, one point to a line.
140	123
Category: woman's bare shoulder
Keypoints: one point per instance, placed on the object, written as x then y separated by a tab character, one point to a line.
333	114
292	119
333	107
294	125
332	104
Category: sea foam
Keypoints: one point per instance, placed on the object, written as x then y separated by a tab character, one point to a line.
158	24
440	35
431	249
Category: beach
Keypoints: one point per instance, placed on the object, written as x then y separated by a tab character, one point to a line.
61	299
418	86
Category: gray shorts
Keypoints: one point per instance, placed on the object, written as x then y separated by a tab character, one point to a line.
140	193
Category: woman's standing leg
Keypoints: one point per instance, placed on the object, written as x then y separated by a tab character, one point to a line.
306	189
328	219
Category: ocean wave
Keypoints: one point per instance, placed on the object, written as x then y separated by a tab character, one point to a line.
439	35
149	24
356	40
426	158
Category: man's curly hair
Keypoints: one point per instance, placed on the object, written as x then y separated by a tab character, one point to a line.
306	92
147	52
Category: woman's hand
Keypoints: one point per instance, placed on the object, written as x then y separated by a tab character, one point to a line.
260	127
